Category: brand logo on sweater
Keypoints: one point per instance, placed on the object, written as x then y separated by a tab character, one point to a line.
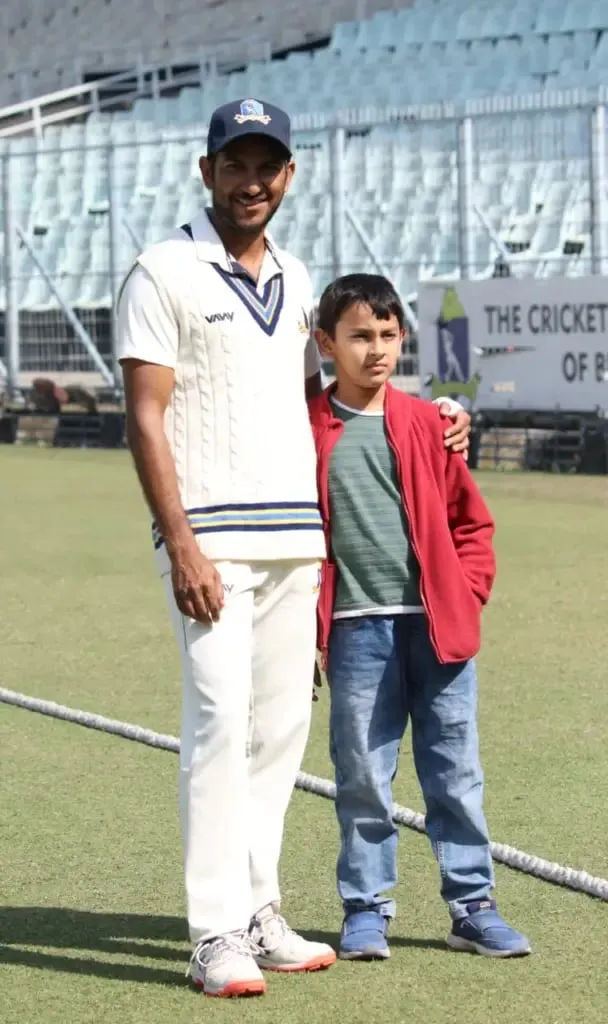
252	110
217	318
317	585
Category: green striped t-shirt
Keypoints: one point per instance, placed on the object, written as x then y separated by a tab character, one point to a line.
377	569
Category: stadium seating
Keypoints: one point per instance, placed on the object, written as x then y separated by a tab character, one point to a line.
531	171
45	44
482	46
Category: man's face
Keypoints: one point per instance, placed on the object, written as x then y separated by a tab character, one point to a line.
247	180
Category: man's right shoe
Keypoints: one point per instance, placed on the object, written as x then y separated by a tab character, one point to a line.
276	947
364	936
225	967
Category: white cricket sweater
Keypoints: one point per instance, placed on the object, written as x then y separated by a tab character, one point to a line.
237	421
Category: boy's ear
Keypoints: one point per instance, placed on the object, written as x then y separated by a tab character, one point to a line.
323	341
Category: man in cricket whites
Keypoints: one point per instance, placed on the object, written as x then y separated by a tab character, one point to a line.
215	339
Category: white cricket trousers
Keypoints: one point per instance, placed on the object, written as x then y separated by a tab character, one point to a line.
246	707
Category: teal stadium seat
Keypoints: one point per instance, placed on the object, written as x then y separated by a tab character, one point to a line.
400	179
550	18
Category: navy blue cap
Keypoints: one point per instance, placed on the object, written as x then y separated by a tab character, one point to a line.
248	117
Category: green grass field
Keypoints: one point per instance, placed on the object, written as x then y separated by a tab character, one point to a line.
91	907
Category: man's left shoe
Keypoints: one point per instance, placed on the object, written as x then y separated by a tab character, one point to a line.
276	947
484	931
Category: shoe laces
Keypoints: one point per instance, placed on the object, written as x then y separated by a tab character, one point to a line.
224	945
269	932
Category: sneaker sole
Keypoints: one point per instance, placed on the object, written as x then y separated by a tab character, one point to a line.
460	945
320	963
235	990
365	954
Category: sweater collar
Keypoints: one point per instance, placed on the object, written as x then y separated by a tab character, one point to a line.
211	249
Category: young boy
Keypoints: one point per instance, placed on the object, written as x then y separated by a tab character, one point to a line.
410	565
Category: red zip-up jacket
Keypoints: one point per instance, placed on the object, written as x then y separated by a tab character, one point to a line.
450	526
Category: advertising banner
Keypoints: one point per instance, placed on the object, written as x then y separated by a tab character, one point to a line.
516	343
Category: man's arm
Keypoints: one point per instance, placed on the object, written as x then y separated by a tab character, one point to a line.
313	373
148	389
149	340
313	385
472	528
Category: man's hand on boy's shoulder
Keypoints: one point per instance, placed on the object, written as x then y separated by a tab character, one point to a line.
456	436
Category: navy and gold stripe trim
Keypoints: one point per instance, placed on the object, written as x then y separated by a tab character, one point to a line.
266	308
264	518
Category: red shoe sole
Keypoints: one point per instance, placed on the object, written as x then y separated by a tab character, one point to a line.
321	963
238	989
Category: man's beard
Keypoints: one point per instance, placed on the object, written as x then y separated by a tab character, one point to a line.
225	217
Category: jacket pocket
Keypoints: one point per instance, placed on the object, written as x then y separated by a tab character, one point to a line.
456	614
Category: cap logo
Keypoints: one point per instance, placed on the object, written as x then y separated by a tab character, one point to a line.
252	110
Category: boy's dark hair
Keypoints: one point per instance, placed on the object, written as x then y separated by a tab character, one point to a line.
371	290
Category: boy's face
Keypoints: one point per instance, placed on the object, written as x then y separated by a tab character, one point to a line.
364	349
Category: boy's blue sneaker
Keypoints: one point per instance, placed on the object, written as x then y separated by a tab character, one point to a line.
364	936
484	931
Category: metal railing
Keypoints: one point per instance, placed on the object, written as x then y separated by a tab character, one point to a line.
66	327
65	105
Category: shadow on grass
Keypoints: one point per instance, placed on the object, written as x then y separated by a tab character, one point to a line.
126	935
397	941
147	937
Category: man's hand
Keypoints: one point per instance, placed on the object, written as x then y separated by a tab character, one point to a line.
197	585
457	436
317	681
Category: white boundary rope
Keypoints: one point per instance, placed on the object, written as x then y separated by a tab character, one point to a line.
507	855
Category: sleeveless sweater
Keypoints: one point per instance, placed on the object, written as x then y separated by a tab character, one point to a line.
237	422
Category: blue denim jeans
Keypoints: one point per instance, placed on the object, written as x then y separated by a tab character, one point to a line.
382	671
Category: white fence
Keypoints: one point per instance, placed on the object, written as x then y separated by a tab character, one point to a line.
509	186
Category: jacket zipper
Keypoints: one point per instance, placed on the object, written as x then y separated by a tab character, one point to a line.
412	532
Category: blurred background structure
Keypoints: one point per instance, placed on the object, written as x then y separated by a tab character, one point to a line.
435	140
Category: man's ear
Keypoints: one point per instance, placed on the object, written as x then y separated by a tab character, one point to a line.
206	169
291	170
324	343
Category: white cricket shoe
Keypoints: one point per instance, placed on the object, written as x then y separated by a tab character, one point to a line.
225	966
277	948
